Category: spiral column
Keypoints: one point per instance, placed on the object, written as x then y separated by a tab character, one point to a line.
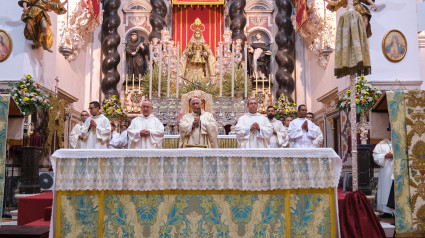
110	41
159	11
285	53
238	20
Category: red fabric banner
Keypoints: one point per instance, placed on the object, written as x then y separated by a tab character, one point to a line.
197	2
94	8
211	17
301	13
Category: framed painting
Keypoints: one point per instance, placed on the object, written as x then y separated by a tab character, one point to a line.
5	45
394	46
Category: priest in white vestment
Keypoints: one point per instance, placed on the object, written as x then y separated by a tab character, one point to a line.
76	139
253	130
383	156
145	131
198	127
115	142
318	142
279	138
97	128
302	132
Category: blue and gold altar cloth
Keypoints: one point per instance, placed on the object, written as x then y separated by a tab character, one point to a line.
195	193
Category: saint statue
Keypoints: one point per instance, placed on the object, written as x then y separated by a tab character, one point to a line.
359	6
259	58
136	52
197	62
37	28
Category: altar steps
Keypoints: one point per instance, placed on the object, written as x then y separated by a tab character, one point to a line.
35	210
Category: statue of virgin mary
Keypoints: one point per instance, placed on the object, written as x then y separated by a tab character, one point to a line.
197	62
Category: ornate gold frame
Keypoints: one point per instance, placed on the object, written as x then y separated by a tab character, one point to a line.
11	45
383	46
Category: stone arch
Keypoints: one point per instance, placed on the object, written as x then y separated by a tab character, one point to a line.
145	34
261	29
137	6
259	6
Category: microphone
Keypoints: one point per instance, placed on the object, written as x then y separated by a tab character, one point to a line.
199	112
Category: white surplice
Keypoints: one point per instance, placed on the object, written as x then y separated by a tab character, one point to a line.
318	142
115	142
97	138
280	139
74	140
301	138
124	139
208	130
151	123
385	178
257	138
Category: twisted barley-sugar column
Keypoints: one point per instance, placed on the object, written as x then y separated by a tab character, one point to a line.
159	11
238	20
110	41
285	53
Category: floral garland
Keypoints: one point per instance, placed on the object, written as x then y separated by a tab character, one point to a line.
285	108
27	94
112	107
366	96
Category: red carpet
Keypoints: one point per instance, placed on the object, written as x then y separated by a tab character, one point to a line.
32	208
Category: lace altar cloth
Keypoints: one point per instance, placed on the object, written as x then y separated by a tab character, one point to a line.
196	169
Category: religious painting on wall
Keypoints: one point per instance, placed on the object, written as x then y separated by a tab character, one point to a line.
394	46
5	45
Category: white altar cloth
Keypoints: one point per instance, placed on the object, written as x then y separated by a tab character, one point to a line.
196	169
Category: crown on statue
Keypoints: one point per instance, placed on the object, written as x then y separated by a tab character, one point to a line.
197	25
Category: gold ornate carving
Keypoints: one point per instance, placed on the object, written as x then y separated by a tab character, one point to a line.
56	122
205	97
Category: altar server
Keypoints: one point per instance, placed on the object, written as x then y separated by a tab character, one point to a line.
76	139
253	130
383	156
198	127
279	138
97	128
124	136
116	141
145	131
302	132
318	142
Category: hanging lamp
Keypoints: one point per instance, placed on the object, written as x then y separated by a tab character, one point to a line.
326	49
65	44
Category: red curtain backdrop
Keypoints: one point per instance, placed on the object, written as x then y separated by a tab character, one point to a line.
197	2
211	17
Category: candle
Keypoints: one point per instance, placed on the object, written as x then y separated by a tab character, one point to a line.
177	66
263	79
221	69
256	84
246	71
160	71
233	69
270	85
150	69
140	79
133	82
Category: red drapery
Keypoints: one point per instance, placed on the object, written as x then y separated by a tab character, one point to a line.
94	8
211	17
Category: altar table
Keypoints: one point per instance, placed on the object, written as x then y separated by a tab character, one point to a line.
196	193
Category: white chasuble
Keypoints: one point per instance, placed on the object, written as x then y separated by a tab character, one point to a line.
74	140
204	135
386	176
280	139
97	138
300	138
156	130
257	138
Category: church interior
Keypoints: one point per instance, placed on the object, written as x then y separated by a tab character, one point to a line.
212	118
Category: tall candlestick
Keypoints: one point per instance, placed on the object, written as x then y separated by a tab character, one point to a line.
233	70
150	69
133	82
160	70
140	79
178	77
246	70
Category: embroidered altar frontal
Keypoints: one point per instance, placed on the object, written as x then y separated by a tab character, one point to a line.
195	193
